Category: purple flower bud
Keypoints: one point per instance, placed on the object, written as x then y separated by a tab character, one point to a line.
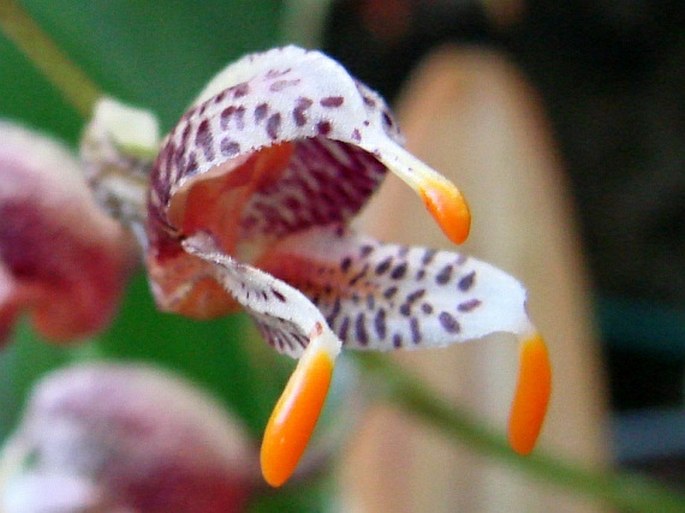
62	258
128	438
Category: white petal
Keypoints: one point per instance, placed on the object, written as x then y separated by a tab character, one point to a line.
386	296
286	317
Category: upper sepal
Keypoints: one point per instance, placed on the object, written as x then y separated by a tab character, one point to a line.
279	143
274	146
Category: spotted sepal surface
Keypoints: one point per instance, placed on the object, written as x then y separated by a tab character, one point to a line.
325	182
287	318
387	296
285	95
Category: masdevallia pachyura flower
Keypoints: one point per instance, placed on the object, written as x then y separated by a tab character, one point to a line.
249	206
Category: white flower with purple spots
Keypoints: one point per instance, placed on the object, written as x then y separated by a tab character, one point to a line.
250	199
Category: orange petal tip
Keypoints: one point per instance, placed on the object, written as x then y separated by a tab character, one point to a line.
449	208
532	395
294	417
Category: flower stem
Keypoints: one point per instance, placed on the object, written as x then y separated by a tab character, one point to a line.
624	491
68	78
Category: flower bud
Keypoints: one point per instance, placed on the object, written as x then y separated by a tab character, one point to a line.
106	437
62	258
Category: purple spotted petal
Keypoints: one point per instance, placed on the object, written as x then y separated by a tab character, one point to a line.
276	145
386	296
281	144
325	182
286	317
285	95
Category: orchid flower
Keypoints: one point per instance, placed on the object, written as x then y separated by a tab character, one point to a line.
114	437
62	259
249	206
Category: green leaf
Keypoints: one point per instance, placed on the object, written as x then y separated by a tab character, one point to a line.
25	359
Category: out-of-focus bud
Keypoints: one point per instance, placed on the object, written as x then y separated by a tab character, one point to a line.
62	258
117	149
125	438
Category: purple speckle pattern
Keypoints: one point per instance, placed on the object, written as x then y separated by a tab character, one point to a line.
291	95
321	185
390	309
372	295
385	296
284	317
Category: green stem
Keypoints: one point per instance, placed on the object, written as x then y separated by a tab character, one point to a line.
624	491
74	85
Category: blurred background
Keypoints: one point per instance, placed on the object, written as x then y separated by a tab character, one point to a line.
608	78
564	125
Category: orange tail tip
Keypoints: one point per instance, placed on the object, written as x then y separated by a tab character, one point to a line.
442	198
532	395
294	417
448	207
